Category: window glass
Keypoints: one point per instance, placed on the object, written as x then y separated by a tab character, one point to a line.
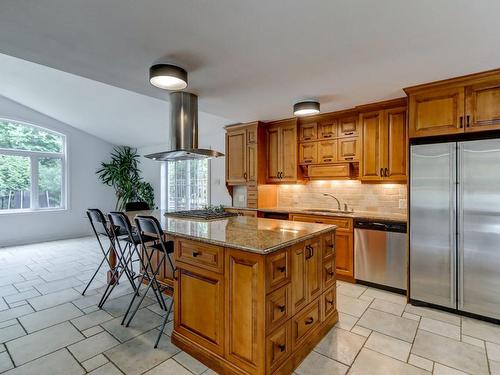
24	137
15	182
50	182
187	184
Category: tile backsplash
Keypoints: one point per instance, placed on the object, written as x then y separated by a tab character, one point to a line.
386	198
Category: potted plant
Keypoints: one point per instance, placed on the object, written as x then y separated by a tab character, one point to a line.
124	175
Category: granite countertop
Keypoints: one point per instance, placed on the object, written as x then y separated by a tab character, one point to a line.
252	234
369	215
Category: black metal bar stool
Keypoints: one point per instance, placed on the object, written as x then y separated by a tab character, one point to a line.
150	225
101	228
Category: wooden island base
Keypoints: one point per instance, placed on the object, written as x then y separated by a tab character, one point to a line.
244	312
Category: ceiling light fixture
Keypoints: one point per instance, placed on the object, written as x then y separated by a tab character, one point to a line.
306	107
168	77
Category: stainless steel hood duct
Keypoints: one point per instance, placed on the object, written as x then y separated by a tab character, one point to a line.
183	131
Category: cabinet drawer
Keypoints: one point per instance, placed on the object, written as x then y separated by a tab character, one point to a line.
277	270
339	171
278	347
328	302
348	127
252	194
206	256
328	245
329	272
304	322
278	307
341	223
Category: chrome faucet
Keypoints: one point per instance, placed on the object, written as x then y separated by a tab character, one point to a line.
331	196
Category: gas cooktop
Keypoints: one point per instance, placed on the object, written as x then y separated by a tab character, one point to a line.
201	214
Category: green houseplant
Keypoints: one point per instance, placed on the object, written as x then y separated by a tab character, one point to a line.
123	174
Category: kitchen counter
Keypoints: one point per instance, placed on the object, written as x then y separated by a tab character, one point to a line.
256	235
367	215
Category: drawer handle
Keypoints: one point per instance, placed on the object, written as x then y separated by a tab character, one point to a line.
310	252
282	347
307	138
329	301
327	135
309	320
349	158
328	159
349	133
331	246
195	254
307	160
281	269
281	308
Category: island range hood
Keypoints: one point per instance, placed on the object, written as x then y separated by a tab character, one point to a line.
183	131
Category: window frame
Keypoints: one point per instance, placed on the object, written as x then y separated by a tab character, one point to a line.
35	156
166	187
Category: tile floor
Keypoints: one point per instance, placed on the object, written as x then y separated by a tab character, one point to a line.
48	327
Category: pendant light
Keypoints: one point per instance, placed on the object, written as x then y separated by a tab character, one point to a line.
306	107
168	77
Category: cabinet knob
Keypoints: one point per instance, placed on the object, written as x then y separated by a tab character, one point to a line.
282	347
309	320
330	273
245	175
195	253
461	121
329	301
281	308
386	172
468	121
281	269
381	172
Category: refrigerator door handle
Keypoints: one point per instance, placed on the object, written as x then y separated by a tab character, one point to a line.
453	221
460	227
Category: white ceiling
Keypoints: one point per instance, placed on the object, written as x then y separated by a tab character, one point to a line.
252	59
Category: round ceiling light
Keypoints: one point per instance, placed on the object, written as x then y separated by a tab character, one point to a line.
306	107
168	77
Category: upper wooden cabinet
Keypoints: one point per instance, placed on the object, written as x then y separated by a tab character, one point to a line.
384	142
464	104
245	156
281	143
348	126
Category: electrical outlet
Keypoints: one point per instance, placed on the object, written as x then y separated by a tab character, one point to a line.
402	203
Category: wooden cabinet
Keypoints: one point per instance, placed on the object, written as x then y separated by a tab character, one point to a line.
348	126
308	153
327	129
344	247
348	149
384	144
308	132
327	151
244	154
281	153
454	106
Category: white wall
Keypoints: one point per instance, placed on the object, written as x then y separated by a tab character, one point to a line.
85	152
212	136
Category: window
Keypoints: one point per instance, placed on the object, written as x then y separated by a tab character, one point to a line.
32	167
187	184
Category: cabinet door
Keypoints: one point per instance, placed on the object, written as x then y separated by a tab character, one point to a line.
348	126
273	153
370	168
299	282
396	144
288	151
245	327
314	260
327	151
348	149
308	153
308	132
327	129
251	159
483	106
252	134
437	112
236	157
205	325
344	254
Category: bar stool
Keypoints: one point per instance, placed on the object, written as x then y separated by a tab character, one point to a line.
101	228
150	225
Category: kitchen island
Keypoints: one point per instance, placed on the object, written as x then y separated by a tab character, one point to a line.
251	295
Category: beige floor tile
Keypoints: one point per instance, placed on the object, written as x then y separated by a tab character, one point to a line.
57	363
15	312
434	314
139	355
92	346
92	331
472	340
351	305
169	367
411	316
107	369
346	321
351	290
495	368
49	317
389	324
143	321
91	320
369	362
95	362
5	362
455	354
440	328
316	363
192	364
362	331
42	342
388	307
21	296
341	345
481	330
493	351
386	296
11	333
389	346
423	363
440	369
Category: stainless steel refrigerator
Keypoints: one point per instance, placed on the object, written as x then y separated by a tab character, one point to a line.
455	225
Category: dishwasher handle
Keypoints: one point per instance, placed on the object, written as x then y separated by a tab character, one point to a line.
385	226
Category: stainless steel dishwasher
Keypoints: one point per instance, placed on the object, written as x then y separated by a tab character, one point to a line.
380	255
